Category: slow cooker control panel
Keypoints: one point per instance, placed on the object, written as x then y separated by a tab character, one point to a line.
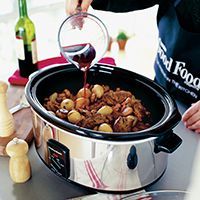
58	158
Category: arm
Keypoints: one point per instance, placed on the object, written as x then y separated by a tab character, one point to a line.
191	117
123	5
71	5
109	5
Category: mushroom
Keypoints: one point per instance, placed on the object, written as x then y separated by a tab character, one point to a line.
127	111
53	97
62	113
98	90
81	102
105	128
74	117
105	110
84	92
67	104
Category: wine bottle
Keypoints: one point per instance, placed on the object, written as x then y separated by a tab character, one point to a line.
25	41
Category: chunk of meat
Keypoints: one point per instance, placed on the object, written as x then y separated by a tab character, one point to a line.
139	110
122	124
93	120
113	97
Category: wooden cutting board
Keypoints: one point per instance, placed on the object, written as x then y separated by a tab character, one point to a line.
22	119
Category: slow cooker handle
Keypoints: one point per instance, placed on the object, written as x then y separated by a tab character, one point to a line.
168	143
132	159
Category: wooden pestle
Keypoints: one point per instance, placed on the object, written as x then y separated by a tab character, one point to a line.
7	127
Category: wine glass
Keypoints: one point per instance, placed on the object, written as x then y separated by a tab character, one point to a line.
83	39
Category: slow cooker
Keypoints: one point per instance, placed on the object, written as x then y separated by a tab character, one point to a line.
107	162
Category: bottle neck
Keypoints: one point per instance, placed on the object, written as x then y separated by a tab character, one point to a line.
22	8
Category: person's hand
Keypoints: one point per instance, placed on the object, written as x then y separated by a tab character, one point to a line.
191	117
72	5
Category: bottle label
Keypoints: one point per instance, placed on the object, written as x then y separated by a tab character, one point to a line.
20	48
34	51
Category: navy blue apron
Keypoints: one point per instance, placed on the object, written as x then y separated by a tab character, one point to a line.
177	64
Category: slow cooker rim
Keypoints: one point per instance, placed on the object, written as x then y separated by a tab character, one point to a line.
169	110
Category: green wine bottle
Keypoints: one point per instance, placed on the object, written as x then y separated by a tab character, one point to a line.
25	42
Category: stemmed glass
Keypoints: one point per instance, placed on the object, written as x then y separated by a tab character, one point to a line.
83	39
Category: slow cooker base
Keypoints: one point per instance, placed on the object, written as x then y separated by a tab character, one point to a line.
94	190
91	190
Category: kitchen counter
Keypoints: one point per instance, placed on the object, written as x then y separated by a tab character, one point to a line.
46	185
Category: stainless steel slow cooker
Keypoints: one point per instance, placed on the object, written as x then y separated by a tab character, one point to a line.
110	162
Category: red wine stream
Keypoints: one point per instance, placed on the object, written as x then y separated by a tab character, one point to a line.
82	56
